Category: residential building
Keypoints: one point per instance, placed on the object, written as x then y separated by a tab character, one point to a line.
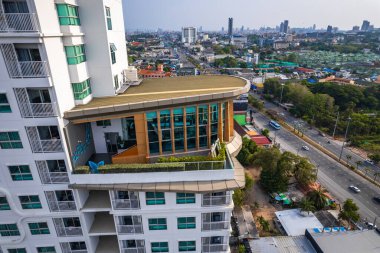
189	35
70	100
286	26
230	27
365	25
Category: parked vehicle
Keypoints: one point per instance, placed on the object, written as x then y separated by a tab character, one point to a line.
306	148
354	188
369	161
377	199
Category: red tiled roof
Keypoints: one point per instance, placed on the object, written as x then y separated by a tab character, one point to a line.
305	70
261	140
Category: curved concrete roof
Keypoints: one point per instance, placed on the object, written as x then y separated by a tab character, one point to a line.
154	93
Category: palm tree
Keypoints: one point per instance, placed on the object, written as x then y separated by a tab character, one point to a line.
366	170
376	174
358	163
348	157
318	197
306	205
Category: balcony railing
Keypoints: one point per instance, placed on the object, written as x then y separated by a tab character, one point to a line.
214	247
209	200
62	206
65	246
218	225
125	204
130	229
68	231
42	146
30	69
54	177
42	110
18	22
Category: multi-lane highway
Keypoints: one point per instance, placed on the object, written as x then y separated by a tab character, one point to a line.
331	174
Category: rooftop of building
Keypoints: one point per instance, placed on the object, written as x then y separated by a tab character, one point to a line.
295	223
153	93
282	244
363	241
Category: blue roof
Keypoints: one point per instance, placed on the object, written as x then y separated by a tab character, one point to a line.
329	70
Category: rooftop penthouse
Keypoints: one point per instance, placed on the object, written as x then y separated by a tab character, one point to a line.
166	128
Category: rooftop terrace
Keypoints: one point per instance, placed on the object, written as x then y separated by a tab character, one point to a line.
164	91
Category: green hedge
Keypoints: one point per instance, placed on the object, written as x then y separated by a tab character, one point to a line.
132	168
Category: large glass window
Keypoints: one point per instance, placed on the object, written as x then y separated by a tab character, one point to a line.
4	205
48	132
38	96
178	129
109	20
18	250
160	246
151	118
214	122
46	249
103	123
203	125
185	198
56	165
186	246
68	14
191	127
4	104
75	54
39	228
81	90
186	223
10	140
30	202
20	172
79	246
166	131
9	230
157	224
155	198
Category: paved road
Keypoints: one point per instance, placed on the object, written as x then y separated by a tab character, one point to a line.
331	174
334	146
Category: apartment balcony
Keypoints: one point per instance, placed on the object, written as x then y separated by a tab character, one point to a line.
57	205
38	110
135	246
209	248
66	248
103	224
219	225
65	229
19	23
216	199
123	200
46	146
51	177
29	69
129	225
97	201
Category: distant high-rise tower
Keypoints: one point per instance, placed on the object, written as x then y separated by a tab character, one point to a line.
286	26
365	25
230	26
189	35
314	27
222	29
329	29
282	27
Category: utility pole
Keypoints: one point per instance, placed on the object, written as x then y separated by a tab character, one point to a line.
282	91
336	124
345	138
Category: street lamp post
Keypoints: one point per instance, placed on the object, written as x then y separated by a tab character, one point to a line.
336	124
282	91
345	138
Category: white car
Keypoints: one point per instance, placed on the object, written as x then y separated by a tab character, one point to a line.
306	148
354	188
369	161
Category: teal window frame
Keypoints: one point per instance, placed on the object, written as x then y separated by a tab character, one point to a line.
68	14
20	172
152	126
166	131
203	120
5	107
185	198
157	224
10	140
75	54
18	250
113	53
186	223
82	90
30	202
187	246
155	198
39	228
214	108
49	249
191	127
4	205
103	123
9	230
178	121
108	17
159	246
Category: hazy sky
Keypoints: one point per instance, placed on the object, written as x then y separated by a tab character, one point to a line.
213	14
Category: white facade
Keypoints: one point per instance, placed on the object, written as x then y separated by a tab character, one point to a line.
189	35
50	62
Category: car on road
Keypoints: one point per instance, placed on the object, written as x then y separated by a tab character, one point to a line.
306	148
369	161
370	225
354	188
377	199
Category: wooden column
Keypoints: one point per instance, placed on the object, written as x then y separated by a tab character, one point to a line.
142	140
227	131
231	121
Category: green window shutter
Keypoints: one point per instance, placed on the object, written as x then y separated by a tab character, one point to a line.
68	14
10	140
4	104
108	17
81	90
4	205
157	224
46	249
186	223
186	246
20	173
75	54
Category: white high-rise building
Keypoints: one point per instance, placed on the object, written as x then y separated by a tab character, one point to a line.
189	35
69	103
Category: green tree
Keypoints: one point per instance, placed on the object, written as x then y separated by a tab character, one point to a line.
375	157
265	132
305	172
306	205
248	182
241	248
349	212
264	224
318	197
238	197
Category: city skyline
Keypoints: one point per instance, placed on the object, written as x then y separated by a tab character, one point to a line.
252	14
